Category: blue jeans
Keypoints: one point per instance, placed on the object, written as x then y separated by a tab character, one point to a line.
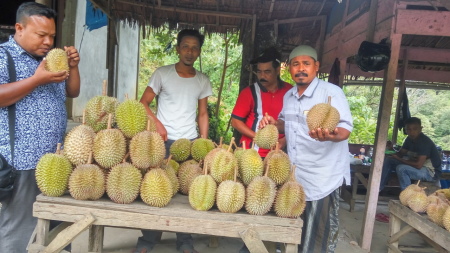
389	166
405	173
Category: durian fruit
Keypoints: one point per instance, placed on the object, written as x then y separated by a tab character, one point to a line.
436	209
230	196
279	165
446	219
52	173
98	108
290	200
200	148
186	175
171	173
323	116
250	165
147	149
87	181
156	188
170	163
109	146
260	195
223	164
180	149
131	117
407	192
57	60
123	183
78	143
418	201
211	154
202	192
267	137
446	192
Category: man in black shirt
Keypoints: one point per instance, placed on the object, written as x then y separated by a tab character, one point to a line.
418	159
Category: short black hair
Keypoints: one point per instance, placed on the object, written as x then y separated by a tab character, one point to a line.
413	120
29	9
190	32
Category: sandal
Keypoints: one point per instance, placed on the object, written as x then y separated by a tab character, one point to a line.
381	217
187	248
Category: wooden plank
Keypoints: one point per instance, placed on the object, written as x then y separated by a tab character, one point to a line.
420	223
292	20
422	22
436	246
42	231
96	235
178	216
68	235
253	241
36	248
425	54
395	237
394	228
362	179
384	115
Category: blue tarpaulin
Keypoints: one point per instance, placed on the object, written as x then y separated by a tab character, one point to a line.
95	18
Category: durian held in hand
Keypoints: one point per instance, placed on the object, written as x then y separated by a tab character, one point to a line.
323	116
267	137
57	60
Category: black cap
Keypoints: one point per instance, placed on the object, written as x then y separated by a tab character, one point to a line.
270	54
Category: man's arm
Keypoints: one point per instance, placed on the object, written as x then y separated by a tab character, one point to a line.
146	99
242	128
10	93
416	163
73	81
203	119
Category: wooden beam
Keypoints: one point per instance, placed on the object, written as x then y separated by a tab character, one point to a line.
102	5
271	9
445	3
293	20
188	10
425	54
384	115
421	22
297	7
372	23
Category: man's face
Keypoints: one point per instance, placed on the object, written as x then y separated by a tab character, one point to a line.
266	74
36	35
188	50
303	69
413	130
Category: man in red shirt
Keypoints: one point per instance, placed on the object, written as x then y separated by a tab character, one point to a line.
264	96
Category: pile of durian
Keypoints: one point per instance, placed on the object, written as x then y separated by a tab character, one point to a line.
117	151
435	205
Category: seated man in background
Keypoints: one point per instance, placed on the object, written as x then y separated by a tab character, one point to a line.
418	159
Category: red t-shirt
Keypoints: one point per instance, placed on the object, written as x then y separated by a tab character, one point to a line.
253	103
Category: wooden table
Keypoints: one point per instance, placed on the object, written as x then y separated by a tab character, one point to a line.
359	177
178	216
436	236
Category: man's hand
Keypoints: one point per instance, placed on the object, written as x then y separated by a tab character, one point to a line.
161	130
338	134
266	120
74	57
42	76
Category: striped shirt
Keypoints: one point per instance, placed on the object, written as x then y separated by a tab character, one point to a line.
321	167
41	116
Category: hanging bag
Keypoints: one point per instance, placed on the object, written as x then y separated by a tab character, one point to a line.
7	171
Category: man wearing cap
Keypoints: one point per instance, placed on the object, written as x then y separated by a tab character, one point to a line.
264	96
320	156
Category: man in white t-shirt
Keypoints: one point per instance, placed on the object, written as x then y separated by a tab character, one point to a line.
182	98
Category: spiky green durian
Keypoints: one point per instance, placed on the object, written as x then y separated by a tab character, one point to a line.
180	149
200	148
131	117
123	183
156	188
57	60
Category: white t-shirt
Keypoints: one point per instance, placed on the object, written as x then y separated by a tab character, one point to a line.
178	99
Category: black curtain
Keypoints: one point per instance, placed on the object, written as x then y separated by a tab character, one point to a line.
404	112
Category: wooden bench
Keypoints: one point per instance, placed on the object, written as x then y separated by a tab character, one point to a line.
434	235
178	216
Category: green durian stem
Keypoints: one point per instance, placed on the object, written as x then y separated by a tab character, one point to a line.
168	159
243	145
89	161
205	170
83	121
126	157
253	144
221	140
418	182
267	170
235	173
229	147
293	173
104	87
148	124
277	147
329	100
58	148
109	121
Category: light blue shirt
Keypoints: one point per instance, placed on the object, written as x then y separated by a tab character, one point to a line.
41	116
321	167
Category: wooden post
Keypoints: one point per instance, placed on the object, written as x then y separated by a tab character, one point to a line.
401	93
45	2
384	115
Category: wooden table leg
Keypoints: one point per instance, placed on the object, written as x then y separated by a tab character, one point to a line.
252	241
291	248
96	235
394	227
